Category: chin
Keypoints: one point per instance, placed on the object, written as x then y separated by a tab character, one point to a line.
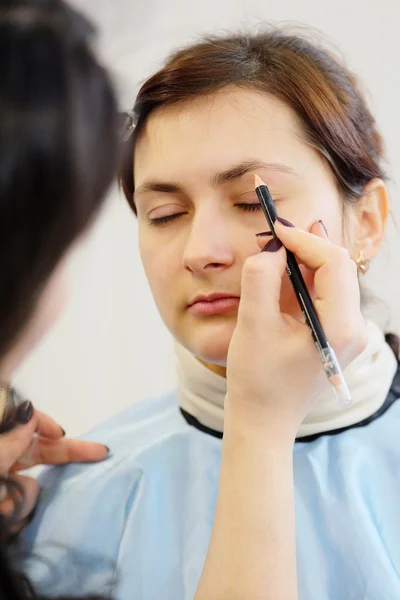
208	345
215	356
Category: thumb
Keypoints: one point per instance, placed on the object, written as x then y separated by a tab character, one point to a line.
15	443
261	287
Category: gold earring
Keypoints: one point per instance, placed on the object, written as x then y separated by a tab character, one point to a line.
362	263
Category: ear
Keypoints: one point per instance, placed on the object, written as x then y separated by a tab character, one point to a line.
371	215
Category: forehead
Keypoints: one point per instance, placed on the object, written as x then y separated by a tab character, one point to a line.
205	135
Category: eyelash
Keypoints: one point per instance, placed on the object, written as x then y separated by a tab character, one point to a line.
255	207
162	220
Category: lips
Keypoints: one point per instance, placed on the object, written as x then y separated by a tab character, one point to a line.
213	304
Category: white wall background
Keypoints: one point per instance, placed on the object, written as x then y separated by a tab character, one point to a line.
110	348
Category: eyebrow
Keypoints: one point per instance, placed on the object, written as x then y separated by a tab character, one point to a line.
227	176
248	166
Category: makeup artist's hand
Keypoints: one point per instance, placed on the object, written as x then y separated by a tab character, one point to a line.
37	439
274	373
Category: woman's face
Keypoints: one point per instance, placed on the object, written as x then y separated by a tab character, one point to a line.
198	213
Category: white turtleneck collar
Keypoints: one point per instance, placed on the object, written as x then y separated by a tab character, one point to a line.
369	377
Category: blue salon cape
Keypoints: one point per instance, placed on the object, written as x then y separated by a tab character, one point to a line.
145	515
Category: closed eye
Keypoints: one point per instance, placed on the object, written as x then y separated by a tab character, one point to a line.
157	222
253	207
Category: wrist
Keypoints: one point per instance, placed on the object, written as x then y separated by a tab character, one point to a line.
245	420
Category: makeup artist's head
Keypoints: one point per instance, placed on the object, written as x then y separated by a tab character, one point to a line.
58	148
216	114
58	143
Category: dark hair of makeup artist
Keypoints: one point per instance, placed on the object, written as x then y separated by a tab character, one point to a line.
58	152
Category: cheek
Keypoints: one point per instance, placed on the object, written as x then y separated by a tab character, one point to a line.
161	265
242	236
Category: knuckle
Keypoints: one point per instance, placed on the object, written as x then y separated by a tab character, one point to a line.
361	341
342	255
264	264
253	267
337	260
345	338
353	268
341	263
351	339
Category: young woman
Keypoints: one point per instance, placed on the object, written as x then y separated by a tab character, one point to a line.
57	113
217	114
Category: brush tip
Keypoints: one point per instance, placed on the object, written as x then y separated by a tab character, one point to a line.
258	181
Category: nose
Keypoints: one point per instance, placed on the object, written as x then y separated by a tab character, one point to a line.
208	247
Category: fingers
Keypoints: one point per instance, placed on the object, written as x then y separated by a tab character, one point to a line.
68	450
335	273
261	288
15	443
64	450
27	492
263	238
335	284
319	229
311	250
47	427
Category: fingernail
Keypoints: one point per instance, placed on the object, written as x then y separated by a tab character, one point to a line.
24	413
273	245
63	432
324	228
284	222
264	234
108	450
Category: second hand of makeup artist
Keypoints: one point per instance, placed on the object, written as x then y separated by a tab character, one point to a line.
52	448
274	378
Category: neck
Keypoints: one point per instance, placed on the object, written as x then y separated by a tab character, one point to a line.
203	387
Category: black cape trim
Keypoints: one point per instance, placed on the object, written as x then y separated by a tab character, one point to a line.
393	395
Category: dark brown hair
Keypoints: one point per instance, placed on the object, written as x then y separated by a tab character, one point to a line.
321	91
58	154
58	147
